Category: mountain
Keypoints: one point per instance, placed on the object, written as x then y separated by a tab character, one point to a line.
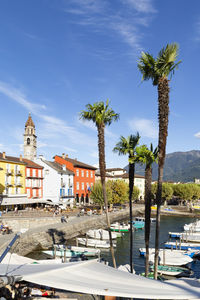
179	167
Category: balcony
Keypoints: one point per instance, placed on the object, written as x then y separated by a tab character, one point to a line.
34	177
18	173
36	187
18	184
9	172
7	184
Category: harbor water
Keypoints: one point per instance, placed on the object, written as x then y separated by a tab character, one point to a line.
167	224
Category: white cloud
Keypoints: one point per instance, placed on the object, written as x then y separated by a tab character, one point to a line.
142	6
88	124
145	127
197	135
19	97
94	154
129	34
125	20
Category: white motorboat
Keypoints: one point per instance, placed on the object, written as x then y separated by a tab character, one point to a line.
117	227
192	227
94	243
171	258
101	234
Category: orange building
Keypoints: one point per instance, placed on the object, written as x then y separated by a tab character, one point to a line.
34	180
84	177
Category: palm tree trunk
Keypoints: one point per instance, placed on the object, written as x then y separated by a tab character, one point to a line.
163	113
148	180
131	186
102	166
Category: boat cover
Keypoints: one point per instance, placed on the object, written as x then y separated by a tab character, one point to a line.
96	278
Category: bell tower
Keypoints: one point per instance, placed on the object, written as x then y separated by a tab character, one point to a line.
30	140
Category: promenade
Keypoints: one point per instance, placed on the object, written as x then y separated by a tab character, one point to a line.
50	230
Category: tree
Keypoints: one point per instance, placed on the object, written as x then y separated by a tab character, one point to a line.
97	194
147	157
124	147
101	114
119	190
136	193
167	191
158	70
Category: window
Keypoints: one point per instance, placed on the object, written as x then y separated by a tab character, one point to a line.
34	172
91	174
28	172
29	193
40	193
28	141
82	185
77	172
39	173
86	173
34	193
77	185
82	173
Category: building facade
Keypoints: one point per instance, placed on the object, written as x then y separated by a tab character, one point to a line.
12	180
30	140
84	177
34	180
58	183
121	174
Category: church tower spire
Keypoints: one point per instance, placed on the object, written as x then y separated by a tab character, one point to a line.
30	140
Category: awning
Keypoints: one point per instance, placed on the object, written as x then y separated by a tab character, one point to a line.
96	278
20	200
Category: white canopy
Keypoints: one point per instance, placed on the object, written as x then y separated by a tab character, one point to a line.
96	278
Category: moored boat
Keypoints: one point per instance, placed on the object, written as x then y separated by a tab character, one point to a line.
101	234
171	271
182	246
94	243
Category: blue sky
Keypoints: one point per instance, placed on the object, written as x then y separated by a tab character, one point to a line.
57	56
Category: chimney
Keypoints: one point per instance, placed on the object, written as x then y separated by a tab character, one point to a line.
63	155
66	156
20	157
4	155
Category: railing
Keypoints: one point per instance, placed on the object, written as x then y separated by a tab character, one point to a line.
18	173
9	172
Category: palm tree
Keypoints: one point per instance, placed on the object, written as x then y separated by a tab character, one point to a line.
147	157
158	70
123	147
101	114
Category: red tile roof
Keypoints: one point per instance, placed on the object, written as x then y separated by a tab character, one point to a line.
77	163
32	164
11	159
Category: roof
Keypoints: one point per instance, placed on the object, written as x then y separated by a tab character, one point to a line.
58	167
115	169
126	175
31	164
92	277
12	159
77	163
97	173
29	122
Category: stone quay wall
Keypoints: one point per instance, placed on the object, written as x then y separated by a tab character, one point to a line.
44	236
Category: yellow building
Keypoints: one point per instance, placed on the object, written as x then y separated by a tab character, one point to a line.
12	179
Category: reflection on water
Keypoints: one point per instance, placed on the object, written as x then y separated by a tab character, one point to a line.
167	224
122	250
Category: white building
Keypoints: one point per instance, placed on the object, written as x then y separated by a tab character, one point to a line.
58	183
121	174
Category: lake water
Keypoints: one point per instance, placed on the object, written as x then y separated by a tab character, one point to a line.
167	224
